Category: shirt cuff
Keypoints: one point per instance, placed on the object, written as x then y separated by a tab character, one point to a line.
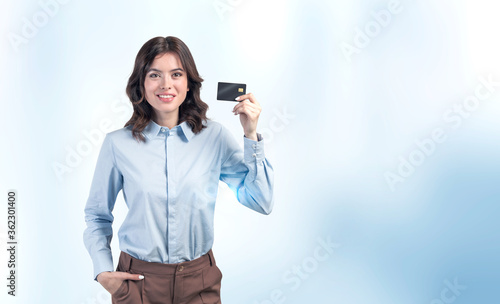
254	149
103	261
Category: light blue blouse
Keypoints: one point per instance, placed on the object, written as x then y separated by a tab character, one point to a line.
170	185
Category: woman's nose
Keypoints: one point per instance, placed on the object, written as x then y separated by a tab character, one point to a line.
166	85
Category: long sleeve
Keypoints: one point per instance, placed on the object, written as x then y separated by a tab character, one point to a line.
248	173
106	184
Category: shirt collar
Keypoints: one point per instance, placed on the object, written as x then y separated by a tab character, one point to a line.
153	129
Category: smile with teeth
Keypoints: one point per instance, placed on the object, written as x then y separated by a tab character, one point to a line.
166	96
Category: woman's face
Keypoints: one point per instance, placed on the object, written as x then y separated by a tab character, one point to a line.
166	85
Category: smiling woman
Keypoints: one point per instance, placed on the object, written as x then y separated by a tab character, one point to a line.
168	160
161	63
166	88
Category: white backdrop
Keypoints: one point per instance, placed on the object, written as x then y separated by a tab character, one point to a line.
380	118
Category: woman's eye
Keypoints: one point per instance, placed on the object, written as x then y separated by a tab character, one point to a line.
177	74
154	75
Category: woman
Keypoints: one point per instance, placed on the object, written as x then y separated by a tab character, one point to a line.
168	160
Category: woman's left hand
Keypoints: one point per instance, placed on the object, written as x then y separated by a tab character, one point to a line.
249	109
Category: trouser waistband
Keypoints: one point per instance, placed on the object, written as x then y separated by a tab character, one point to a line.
131	263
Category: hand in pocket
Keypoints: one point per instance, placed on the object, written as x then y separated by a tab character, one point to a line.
112	280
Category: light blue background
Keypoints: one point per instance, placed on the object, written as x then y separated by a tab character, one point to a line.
333	128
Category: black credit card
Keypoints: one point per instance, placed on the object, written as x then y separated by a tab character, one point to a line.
229	91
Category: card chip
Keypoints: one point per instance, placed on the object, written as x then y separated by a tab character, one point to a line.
240	90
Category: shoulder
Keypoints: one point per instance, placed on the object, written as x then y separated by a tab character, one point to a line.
216	128
213	125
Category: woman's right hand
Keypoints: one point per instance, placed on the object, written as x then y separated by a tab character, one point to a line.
111	280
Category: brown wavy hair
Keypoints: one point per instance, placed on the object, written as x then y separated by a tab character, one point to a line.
193	109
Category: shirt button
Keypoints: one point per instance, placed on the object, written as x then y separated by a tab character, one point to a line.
254	155
254	146
181	268
163	129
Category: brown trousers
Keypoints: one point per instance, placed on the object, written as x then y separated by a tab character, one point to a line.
192	282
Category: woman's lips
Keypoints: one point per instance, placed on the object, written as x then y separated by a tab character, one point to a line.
166	97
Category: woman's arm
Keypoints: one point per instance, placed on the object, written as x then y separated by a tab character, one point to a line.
248	173
106	184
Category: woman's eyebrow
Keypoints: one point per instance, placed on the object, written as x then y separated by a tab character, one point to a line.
156	70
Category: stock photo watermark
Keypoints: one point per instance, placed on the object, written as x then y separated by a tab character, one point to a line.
298	273
453	118
12	245
364	35
280	120
450	293
102	297
225	6
39	19
91	139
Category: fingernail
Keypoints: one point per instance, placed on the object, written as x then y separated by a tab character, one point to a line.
141	277
237	98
